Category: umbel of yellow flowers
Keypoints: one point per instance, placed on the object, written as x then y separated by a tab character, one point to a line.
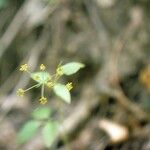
20	92
24	67
43	100
43	80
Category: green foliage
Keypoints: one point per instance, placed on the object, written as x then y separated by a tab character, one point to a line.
40	77
41	121
28	131
41	116
41	113
43	79
62	91
50	131
71	68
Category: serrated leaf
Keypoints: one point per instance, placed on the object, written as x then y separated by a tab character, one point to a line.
41	113
62	91
71	68
40	77
50	132
28	131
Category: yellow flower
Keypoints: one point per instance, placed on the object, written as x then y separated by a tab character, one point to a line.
69	86
50	84
43	100
24	67
59	71
36	77
48	78
42	67
20	92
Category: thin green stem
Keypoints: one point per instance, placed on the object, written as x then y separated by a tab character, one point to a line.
42	91
60	63
31	87
56	76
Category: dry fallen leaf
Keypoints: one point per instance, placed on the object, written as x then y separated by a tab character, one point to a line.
116	132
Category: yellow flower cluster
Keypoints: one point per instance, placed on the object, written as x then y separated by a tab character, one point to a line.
43	100
24	67
37	77
42	67
43	79
50	84
69	86
20	92
59	71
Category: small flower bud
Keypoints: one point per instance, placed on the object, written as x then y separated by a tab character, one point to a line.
43	100
20	92
50	84
69	86
42	67
59	71
24	67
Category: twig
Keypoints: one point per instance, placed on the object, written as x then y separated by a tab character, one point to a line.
13	29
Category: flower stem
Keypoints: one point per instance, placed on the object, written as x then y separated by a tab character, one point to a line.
31	87
42	91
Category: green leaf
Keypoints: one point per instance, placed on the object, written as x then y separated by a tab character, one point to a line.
62	91
41	113
71	68
28	131
50	132
41	77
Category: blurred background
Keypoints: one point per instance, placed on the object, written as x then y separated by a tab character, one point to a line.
111	97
